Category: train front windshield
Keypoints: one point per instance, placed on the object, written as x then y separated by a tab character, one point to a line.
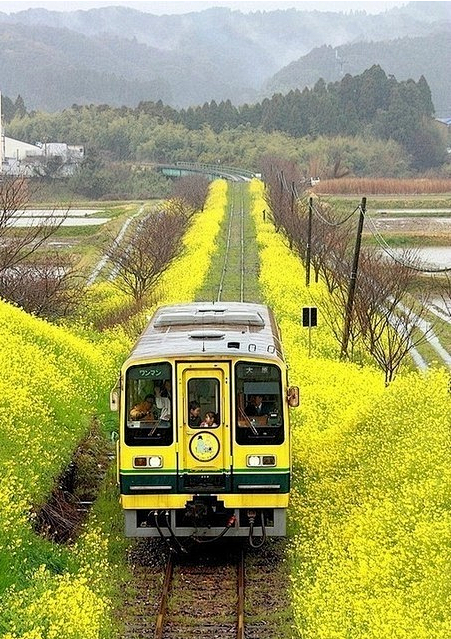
259	414
149	414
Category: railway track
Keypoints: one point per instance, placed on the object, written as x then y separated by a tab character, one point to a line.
235	265
214	592
234	248
202	596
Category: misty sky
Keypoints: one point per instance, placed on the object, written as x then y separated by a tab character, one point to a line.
184	6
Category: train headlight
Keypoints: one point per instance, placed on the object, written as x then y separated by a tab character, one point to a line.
253	460
155	461
260	460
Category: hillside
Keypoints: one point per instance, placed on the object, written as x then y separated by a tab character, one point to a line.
404	58
118	55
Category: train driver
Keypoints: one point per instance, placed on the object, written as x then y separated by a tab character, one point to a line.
145	410
194	419
257	406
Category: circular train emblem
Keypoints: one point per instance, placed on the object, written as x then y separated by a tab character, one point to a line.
204	446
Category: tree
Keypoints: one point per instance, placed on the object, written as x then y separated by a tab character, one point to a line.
50	168
193	190
19	107
427	146
49	286
388	316
445	292
8	109
425	97
16	248
89	178
147	251
39	280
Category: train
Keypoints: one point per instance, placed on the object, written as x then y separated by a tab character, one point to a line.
204	438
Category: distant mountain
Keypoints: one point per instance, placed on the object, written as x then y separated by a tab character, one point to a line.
404	58
120	56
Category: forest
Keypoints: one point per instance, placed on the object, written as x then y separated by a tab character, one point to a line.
369	125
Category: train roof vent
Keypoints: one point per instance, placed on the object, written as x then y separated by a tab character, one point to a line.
250	318
207	335
209	316
174	319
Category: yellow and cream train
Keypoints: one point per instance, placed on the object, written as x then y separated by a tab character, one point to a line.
204	438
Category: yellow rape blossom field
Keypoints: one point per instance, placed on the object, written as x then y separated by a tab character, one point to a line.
54	380
369	522
370	514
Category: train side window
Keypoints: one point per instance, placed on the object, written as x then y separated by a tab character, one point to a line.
206	392
259	414
146	423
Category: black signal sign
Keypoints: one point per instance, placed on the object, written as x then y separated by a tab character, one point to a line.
309	316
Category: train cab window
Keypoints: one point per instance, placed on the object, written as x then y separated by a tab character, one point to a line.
259	415
148	405
205	392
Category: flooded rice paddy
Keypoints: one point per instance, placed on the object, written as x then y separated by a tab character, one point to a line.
71	217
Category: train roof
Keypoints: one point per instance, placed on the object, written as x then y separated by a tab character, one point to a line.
206	329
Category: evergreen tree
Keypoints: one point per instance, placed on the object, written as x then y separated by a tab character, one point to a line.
425	96
8	109
19	107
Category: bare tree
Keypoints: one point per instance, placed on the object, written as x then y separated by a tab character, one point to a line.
179	208
330	245
445	292
17	245
390	318
193	190
50	286
39	280
330	237
282	180
147	251
333	310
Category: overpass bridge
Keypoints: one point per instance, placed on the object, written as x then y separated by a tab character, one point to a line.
212	171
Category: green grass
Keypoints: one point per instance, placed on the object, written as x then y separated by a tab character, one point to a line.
440	200
407	240
232	281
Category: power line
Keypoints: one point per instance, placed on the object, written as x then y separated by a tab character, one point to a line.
388	250
378	237
336	224
292	190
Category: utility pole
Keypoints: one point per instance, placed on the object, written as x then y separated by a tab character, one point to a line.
309	242
352	282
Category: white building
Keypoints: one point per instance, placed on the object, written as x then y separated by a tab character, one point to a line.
17	155
21	158
17	150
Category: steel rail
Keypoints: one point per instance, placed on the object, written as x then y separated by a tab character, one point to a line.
163	605
227	249
241	575
235	209
164	598
242	269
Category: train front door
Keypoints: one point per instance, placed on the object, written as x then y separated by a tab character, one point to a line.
204	426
